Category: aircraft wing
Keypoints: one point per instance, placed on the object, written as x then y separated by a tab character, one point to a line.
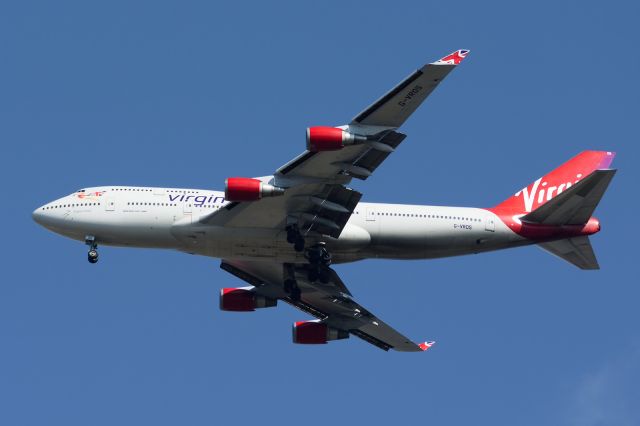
393	109
316	207
378	121
330	302
316	196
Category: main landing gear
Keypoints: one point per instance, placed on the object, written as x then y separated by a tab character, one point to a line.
319	261
92	255
295	237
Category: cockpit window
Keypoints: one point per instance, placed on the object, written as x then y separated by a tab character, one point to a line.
80	190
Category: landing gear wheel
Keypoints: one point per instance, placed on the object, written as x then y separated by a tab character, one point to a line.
325	258
313	274
295	237
292	235
318	255
313	257
92	256
323	275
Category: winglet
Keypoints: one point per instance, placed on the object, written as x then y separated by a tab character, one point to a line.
453	58
426	345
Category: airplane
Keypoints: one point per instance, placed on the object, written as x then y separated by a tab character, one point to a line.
281	234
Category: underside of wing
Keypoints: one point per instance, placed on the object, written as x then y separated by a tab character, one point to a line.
357	161
393	109
328	300
315	198
319	208
377	123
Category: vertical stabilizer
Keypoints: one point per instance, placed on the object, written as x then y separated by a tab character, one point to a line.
549	186
576	204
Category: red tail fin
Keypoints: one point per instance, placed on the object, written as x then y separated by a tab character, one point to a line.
552	184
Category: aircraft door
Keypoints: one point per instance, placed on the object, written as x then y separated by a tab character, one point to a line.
109	204
371	215
489	224
372	225
187	211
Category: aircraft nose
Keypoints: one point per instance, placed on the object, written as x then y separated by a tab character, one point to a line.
37	215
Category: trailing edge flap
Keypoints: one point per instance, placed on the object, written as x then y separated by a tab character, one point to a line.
576	250
575	205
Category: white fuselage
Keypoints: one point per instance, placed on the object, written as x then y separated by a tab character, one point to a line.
169	218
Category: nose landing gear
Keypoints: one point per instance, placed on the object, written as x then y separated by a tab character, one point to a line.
92	255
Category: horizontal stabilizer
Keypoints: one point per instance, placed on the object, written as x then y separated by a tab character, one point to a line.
576	250
575	205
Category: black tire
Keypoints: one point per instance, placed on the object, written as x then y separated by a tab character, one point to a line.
313	256
291	237
299	245
324	276
93	259
93	255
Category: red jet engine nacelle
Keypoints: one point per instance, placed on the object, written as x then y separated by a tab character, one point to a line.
248	189
243	299
316	332
331	139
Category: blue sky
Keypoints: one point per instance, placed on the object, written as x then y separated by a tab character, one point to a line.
188	93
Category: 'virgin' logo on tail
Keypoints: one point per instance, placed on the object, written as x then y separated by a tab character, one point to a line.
529	195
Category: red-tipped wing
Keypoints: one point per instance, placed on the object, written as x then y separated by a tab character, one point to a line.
395	107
